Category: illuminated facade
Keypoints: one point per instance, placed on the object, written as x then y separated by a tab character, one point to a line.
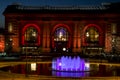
2	41
62	29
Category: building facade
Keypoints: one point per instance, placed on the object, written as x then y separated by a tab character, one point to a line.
2	40
86	29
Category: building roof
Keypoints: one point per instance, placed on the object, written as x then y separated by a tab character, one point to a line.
108	7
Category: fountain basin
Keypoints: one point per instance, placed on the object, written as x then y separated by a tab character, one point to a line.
69	63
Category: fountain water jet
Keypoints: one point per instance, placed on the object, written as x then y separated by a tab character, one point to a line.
68	63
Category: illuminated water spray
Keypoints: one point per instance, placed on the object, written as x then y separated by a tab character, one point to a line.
68	63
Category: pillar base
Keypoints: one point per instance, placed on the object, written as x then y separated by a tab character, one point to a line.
76	50
45	49
16	49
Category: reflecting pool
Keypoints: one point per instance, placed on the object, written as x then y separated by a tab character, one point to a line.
65	67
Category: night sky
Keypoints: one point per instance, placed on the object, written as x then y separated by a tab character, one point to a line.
4	3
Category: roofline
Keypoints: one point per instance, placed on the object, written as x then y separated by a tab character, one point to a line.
20	8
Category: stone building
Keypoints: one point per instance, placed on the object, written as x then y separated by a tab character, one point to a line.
86	29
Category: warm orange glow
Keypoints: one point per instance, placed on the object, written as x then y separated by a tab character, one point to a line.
79	39
15	44
74	43
48	38
10	27
44	38
79	45
108	45
75	39
2	45
113	28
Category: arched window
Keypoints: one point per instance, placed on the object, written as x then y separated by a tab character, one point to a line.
31	35
92	36
61	34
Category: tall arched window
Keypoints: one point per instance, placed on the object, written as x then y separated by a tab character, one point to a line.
61	34
92	36
31	35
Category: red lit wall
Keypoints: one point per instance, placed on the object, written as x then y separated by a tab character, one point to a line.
2	44
108	45
15	44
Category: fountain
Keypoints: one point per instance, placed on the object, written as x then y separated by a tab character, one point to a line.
68	63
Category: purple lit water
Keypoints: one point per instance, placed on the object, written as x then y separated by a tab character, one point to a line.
68	63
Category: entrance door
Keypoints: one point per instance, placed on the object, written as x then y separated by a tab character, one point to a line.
61	40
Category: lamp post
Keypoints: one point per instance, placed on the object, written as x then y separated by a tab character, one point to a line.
113	43
114	35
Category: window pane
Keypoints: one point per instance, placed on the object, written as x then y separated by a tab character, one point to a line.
31	35
61	34
92	35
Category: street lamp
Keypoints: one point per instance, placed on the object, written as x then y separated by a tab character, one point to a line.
113	43
114	33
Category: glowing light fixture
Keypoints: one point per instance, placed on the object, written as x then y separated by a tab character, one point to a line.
113	40
113	28
96	36
10	27
87	34
60	35
34	34
64	49
10	39
33	66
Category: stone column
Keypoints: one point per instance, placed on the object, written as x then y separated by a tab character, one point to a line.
75	38
44	38
108	39
79	38
48	38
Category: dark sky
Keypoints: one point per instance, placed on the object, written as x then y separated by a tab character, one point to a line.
4	3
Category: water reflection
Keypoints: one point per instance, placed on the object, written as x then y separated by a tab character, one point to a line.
70	74
55	69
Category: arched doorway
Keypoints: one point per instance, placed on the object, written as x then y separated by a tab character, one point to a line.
92	41
30	38
61	38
